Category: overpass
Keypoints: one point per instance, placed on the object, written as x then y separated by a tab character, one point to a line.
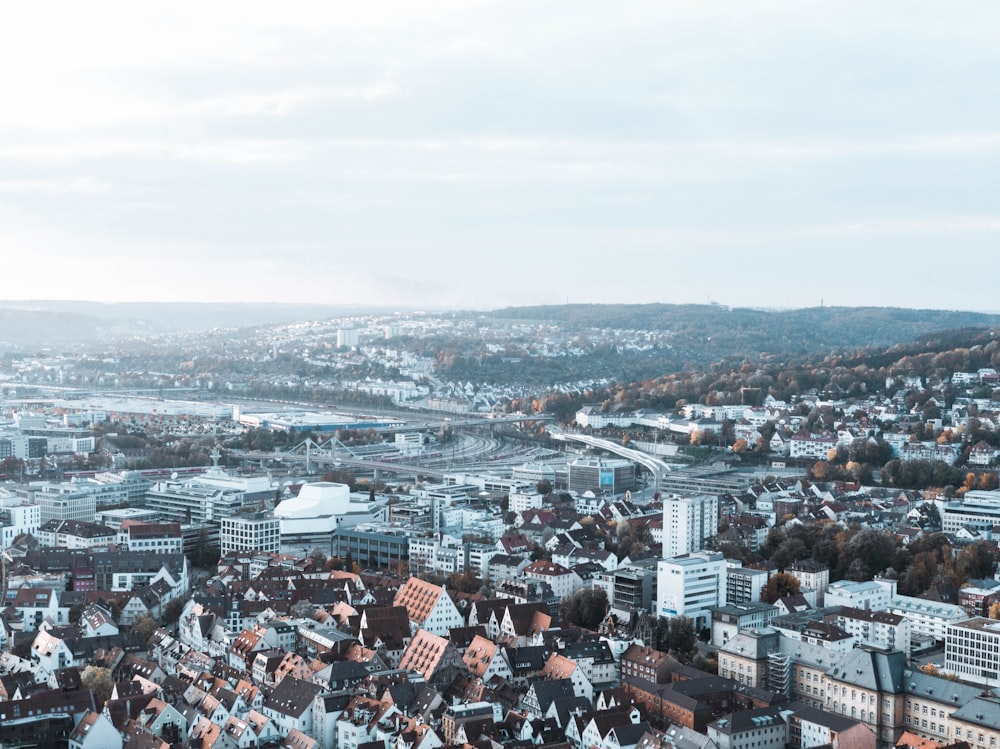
654	465
333	453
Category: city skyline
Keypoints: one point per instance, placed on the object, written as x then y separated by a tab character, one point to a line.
479	155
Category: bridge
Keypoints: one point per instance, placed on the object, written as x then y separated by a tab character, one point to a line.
335	453
654	465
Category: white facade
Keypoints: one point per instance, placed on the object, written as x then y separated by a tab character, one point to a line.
259	531
875	595
519	502
691	585
687	522
928	618
19	517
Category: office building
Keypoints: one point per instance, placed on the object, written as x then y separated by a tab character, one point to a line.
691	585
250	531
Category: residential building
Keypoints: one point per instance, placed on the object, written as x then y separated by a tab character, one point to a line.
429	607
762	728
809	727
812	576
744	585
687	522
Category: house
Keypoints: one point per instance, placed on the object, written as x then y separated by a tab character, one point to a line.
484	659
561	667
428	606
95	731
290	705
434	657
561	580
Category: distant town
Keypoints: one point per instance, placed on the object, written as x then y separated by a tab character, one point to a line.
412	531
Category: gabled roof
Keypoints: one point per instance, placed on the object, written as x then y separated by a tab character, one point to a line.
479	655
419	598
292	696
425	653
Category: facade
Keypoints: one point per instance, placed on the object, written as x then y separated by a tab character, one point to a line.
927	618
257	531
691	585
811	576
744	585
687	522
598	475
972	650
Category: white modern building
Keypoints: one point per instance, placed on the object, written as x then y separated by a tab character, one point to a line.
252	531
928	618
687	522
691	585
875	595
319	510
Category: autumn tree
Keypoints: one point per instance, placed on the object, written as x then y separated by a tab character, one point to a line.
145	625
780	585
99	681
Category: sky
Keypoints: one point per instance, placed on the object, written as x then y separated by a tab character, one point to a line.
479	154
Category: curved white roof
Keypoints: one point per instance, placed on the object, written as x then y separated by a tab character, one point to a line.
316	500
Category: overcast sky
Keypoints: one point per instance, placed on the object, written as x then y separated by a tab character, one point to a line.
481	154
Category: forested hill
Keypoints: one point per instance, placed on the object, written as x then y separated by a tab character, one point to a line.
718	332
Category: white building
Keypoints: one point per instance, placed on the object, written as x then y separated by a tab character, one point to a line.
879	628
687	522
256	531
875	595
17	517
691	585
927	618
972	650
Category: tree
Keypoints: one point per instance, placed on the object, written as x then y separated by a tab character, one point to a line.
544	487
145	625
585	608
780	585
173	610
99	681
679	638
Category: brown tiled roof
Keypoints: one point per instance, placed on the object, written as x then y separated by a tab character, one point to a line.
479	655
419	597
424	654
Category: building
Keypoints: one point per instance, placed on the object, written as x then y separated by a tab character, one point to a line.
691	585
600	475
763	728
972	650
879	628
976	509
744	585
812	576
75	534
928	619
428	606
687	522
875	595
250	531
809	727
134	535
728	620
